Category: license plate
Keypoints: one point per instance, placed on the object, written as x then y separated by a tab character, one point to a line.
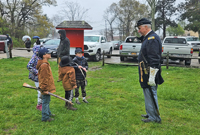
176	55
133	53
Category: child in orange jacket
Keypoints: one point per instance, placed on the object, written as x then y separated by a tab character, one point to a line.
68	78
46	82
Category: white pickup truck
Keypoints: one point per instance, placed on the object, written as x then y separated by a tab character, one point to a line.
131	46
178	47
94	45
194	41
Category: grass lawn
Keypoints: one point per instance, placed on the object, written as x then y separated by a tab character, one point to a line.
115	98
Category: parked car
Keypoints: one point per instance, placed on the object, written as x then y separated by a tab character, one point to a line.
178	47
194	41
52	45
3	40
116	44
94	45
43	40
131	46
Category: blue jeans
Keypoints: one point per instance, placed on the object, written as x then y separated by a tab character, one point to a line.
149	104
46	113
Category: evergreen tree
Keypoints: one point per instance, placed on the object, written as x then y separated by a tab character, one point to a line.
191	13
165	10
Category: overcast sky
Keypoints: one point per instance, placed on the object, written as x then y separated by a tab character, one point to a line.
95	12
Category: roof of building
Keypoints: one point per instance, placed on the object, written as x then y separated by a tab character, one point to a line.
74	24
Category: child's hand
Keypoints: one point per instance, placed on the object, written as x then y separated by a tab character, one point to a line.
80	67
45	92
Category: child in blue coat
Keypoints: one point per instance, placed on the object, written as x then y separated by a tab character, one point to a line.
33	73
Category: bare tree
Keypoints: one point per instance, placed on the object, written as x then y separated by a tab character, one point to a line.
56	20
128	12
110	15
21	14
73	11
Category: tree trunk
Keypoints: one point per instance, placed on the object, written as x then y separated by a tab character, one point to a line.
164	30
153	8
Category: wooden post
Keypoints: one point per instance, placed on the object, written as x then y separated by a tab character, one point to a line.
167	60
103	59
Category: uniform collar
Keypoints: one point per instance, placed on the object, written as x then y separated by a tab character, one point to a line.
147	34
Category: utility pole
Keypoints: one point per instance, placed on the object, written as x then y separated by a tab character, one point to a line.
106	29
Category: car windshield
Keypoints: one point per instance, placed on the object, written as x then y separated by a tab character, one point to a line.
192	39
3	38
52	42
91	38
195	39
175	40
43	40
189	39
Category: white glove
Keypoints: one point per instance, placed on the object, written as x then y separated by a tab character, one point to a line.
153	72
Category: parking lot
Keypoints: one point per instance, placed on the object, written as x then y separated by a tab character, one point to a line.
113	59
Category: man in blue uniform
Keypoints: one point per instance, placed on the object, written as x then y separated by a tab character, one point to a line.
150	69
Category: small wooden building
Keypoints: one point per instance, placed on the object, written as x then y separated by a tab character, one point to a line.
75	33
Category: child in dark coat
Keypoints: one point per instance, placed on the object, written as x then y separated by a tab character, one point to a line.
68	78
81	67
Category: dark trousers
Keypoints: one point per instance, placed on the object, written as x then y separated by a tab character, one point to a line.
28	49
46	113
69	95
80	83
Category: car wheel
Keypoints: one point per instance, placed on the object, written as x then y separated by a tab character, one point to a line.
97	56
110	52
187	62
122	58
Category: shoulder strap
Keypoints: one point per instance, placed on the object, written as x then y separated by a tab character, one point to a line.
80	70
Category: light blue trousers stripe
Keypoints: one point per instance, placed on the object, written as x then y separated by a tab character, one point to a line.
149	104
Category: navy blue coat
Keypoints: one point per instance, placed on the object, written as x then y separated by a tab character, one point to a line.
150	54
81	61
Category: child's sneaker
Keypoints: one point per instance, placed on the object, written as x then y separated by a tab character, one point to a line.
77	101
84	100
39	107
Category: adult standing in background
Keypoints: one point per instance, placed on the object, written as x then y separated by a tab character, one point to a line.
37	41
9	42
28	44
150	69
63	48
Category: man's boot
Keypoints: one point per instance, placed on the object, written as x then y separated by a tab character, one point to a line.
70	107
